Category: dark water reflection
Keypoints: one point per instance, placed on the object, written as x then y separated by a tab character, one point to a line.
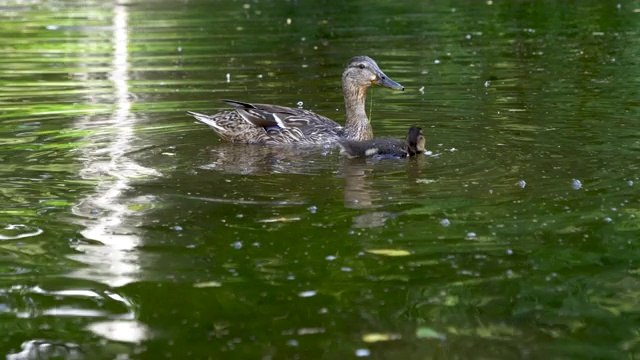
128	230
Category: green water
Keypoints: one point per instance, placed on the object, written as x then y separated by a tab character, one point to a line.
128	230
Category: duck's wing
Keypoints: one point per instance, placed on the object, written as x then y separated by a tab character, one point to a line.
269	116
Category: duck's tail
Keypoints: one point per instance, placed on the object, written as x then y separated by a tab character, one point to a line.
206	119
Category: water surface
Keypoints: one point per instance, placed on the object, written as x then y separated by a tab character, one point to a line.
127	229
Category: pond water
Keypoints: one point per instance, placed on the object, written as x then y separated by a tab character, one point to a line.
128	230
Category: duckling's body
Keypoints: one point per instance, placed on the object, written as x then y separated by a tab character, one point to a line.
273	124
386	147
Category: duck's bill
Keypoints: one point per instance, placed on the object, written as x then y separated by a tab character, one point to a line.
384	81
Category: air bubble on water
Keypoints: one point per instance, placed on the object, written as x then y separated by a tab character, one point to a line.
436	61
445	222
509	252
292	342
471	235
363	352
177	228
607	219
576	184
468	36
330	258
630	182
522	183
308	293
237	245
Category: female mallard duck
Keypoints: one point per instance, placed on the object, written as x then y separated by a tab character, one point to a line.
273	124
386	147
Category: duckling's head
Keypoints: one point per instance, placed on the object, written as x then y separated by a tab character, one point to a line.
416	141
362	72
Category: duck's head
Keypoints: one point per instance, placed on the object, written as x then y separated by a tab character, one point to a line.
362	72
415	140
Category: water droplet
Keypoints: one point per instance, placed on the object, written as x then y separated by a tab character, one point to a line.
522	183
445	222
576	184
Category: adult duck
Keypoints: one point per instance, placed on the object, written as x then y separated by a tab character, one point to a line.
274	125
414	144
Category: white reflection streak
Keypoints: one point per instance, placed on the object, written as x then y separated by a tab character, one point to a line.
114	261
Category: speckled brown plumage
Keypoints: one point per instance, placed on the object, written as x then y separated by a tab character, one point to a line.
273	124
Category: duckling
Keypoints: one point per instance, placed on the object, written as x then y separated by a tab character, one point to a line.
385	147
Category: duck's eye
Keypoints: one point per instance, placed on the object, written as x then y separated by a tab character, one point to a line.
361	66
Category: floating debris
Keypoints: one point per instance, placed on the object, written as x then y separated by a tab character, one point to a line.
608	219
471	235
228	77
445	222
436	61
424	332
207	284
521	183
312	209
300	103
421	90
630	182
378	337
388	252
330	258
487	83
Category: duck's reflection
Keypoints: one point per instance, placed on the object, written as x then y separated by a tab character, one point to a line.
357	172
261	160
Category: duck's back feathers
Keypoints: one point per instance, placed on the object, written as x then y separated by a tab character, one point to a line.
271	124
